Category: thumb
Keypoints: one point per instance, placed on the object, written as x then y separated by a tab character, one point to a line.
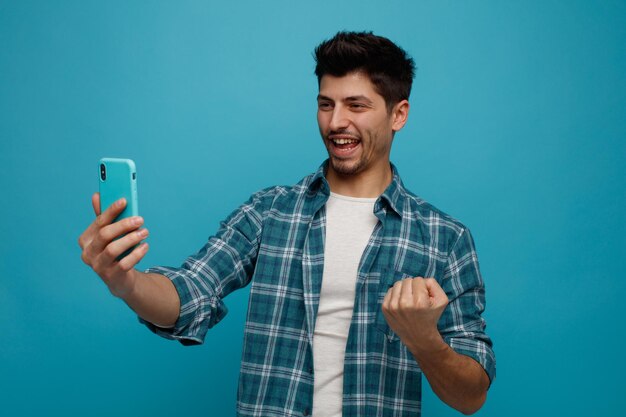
95	202
438	296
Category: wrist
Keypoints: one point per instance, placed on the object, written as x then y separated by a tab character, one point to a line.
126	285
428	347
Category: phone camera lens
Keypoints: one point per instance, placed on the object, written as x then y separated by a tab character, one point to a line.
103	172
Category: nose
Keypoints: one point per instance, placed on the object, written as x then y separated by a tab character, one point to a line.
339	119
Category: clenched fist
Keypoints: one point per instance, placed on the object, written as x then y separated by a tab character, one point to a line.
412	307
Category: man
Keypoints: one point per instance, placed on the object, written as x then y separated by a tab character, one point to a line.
341	320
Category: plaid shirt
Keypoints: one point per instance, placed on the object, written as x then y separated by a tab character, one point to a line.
275	241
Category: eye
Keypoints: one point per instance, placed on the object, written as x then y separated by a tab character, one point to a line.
324	105
358	106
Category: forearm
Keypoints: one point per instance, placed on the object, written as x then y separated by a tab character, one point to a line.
457	379
154	298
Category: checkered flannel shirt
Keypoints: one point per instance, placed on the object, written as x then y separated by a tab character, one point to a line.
275	242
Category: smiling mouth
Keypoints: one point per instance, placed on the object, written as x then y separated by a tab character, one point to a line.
343	141
342	147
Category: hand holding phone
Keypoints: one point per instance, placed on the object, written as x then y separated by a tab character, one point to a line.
112	244
118	179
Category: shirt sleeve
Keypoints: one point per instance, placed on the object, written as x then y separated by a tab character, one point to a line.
225	263
462	325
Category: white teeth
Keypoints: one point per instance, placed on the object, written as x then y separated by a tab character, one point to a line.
343	141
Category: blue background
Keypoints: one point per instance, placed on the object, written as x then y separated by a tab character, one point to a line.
517	128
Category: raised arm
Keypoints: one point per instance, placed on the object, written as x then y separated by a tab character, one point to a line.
440	322
152	296
412	307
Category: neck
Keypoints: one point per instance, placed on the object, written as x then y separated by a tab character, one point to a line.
361	185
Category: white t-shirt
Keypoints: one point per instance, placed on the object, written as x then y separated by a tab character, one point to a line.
349	225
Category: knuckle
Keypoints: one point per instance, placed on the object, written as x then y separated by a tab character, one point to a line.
110	251
129	261
103	272
99	221
85	258
132	239
136	240
405	305
102	234
124	264
100	271
85	238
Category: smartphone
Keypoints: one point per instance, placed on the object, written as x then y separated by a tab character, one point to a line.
118	178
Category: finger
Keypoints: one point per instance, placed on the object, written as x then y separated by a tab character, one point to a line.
87	236
129	261
84	239
110	214
420	292
109	233
117	247
387	300
95	202
396	292
406	292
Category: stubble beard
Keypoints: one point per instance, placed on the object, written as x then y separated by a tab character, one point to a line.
344	167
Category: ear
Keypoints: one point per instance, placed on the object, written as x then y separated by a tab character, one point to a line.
399	115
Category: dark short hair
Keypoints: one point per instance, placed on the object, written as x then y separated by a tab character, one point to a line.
388	66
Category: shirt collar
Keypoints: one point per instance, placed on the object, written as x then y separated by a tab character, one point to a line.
318	181
393	196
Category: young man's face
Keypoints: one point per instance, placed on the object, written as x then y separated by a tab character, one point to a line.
355	125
